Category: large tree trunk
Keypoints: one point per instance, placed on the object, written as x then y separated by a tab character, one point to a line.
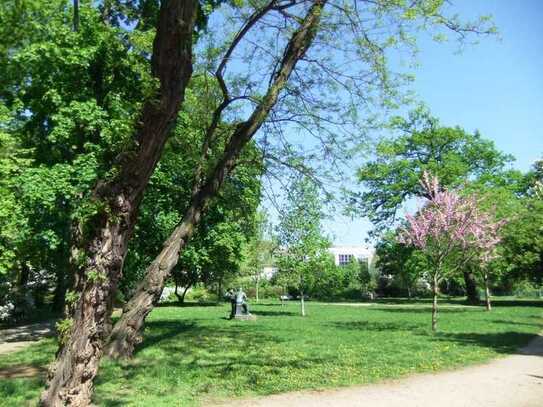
472	293
434	304
102	241
127	331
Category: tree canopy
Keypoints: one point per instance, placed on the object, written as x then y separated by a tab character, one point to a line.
392	176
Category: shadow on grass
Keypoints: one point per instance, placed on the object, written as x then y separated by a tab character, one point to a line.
376	326
274	313
505	322
159	331
200	356
188	304
422	310
459	301
517	303
501	342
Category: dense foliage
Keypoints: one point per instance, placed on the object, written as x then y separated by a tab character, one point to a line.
68	100
421	144
517	266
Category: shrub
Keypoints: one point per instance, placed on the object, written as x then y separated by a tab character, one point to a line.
528	290
201	295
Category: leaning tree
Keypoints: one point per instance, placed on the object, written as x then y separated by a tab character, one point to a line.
289	92
301	71
101	238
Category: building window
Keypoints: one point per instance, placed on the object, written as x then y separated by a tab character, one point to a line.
345	259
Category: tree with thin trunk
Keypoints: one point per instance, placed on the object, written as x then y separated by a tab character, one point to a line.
450	230
485	244
423	144
300	238
101	239
257	253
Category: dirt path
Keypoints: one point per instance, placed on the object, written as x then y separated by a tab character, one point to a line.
513	381
13	339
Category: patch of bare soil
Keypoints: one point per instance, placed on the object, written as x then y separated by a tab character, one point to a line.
21	371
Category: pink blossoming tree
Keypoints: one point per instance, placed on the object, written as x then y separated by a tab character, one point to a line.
450	230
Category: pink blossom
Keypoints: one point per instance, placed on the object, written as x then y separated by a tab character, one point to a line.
449	222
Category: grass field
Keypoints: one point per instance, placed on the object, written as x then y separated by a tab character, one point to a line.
193	355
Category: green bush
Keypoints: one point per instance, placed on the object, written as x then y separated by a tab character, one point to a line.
201	295
528	290
265	291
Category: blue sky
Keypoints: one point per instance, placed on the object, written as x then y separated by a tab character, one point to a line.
495	86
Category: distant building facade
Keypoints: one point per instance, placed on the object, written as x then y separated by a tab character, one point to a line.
343	254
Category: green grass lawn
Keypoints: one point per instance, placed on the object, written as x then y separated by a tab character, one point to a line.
192	355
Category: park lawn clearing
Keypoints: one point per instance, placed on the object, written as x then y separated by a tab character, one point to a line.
192	355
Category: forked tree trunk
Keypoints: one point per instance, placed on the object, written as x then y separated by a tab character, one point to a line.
184	294
434	303
127	331
102	241
487	293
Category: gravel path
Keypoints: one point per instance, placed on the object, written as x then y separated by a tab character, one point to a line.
513	381
21	336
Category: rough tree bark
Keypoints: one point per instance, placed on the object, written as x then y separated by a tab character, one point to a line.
127	331
101	246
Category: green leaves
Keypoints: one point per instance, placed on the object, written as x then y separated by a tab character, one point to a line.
300	237
455	156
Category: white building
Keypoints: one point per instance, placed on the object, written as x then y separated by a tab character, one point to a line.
343	254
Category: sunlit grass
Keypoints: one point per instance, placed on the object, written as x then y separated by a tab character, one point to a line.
193	354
